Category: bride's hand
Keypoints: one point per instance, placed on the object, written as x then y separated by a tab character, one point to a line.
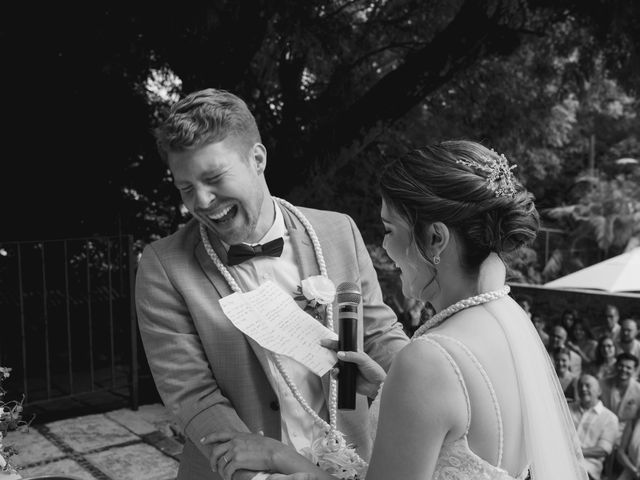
370	373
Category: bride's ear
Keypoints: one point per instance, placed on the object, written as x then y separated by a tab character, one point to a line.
437	236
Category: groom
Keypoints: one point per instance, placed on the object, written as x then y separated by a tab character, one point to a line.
209	374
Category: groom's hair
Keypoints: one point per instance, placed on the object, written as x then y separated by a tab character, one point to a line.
204	117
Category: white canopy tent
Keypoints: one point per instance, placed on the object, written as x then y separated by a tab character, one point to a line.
616	274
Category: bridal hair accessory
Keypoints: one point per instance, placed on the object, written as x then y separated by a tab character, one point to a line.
441	316
500	179
331	451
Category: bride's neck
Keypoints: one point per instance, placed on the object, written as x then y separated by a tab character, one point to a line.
456	284
453	292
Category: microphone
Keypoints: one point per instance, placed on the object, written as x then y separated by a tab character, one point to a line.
348	297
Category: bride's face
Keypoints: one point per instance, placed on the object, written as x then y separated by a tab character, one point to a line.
401	248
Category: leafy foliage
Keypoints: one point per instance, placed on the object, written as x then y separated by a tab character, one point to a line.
338	87
607	218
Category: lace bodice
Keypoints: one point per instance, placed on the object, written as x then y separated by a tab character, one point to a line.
456	460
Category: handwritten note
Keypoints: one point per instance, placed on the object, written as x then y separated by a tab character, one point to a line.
273	319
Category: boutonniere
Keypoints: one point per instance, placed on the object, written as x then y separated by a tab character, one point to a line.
316	292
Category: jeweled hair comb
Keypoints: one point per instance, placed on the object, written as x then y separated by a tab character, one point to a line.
500	179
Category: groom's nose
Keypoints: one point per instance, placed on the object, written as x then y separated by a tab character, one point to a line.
204	198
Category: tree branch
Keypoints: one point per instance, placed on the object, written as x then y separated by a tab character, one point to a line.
468	36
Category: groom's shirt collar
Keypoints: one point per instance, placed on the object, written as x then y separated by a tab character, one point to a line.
278	228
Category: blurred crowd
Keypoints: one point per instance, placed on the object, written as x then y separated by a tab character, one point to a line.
597	363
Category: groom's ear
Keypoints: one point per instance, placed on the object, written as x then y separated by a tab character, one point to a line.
259	157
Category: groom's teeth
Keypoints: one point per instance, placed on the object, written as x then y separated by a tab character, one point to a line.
220	214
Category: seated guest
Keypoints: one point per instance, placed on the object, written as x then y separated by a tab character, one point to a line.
627	341
567	379
604	363
525	302
411	316
596	425
558	339
568	318
612	317
581	341
628	453
621	393
541	327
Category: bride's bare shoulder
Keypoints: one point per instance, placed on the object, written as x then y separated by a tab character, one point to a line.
422	359
423	374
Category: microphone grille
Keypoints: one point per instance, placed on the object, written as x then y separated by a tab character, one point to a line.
348	292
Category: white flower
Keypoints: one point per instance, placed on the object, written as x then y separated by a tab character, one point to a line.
319	288
331	453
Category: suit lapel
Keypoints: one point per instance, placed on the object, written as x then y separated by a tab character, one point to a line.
306	258
209	268
221	285
301	244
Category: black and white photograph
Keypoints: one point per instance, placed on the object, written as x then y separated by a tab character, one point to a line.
320	240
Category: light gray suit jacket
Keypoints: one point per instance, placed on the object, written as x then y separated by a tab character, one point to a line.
206	371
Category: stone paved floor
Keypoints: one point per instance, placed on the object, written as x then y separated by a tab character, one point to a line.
118	445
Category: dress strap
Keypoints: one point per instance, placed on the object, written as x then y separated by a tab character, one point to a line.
492	391
456	369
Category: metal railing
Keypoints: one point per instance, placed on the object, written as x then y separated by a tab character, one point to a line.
67	318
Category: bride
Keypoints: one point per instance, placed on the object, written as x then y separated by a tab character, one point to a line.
474	395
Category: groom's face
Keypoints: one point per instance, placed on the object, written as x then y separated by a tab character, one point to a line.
222	184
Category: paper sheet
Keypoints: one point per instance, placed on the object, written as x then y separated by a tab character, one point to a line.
273	319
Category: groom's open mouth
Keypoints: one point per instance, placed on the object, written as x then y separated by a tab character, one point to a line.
224	216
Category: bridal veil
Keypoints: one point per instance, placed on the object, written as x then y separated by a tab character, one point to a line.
551	442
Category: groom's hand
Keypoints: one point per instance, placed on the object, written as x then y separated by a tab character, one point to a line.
235	452
370	373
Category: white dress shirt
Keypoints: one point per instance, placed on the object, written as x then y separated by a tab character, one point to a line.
298	428
596	427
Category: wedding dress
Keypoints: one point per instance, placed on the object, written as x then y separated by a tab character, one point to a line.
552	449
456	460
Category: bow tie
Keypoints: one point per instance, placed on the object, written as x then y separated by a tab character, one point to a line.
239	253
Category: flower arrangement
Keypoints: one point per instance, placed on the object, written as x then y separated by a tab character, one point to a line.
316	293
10	419
332	454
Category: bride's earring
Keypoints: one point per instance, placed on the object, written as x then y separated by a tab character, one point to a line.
436	259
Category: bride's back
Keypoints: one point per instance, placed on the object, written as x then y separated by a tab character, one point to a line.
479	331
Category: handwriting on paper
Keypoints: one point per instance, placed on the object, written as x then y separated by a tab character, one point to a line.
273	319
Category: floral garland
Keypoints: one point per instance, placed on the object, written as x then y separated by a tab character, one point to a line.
10	419
331	451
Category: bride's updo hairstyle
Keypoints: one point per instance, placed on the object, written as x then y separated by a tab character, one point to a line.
467	187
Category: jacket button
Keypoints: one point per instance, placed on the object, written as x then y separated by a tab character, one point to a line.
275	406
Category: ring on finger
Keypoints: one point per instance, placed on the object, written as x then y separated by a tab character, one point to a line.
226	460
